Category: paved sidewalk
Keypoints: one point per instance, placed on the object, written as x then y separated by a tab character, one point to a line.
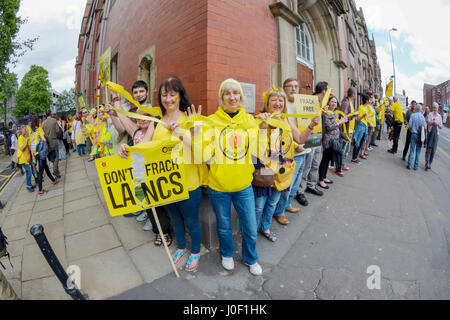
378	214
114	255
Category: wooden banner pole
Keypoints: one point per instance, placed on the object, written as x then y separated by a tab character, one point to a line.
164	241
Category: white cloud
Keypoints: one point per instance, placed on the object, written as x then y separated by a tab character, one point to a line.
423	26
57	24
66	12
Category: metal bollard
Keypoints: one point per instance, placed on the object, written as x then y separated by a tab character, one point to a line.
37	231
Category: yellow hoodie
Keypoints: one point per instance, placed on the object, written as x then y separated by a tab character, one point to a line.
231	168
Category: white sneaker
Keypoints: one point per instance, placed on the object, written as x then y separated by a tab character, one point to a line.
255	269
142	217
148	225
370	148
228	263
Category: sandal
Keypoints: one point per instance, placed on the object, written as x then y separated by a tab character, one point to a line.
363	157
269	235
178	255
168	239
327	181
192	263
158	240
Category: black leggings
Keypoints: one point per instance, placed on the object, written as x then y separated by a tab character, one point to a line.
44	166
163	218
328	155
66	145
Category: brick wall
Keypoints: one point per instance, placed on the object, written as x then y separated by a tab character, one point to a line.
242	44
178	31
203	42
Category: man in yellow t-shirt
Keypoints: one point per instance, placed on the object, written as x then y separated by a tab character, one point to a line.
397	110
24	156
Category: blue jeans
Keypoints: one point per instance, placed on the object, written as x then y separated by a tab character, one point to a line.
80	149
187	211
414	147
244	203
287	196
27	168
265	208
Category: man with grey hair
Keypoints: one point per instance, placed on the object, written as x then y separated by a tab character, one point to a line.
416	122
434	122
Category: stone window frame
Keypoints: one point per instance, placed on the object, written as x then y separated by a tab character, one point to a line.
308	46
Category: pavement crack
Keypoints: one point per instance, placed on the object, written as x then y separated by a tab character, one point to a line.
317	285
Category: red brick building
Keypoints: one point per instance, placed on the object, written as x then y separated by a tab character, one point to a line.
203	42
440	94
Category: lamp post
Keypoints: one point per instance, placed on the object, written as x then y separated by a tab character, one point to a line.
393	63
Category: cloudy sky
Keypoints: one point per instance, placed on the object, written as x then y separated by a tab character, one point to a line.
57	23
421	44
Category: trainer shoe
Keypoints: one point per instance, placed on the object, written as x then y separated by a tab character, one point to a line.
142	217
255	269
356	161
148	225
346	169
228	263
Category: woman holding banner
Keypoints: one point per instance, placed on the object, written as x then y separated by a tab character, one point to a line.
361	130
174	102
281	152
142	131
331	133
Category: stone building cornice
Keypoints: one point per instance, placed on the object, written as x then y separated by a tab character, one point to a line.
279	9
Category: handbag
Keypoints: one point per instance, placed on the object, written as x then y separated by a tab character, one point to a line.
264	177
336	145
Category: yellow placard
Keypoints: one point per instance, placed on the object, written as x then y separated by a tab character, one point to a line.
309	106
149	179
104	64
81	101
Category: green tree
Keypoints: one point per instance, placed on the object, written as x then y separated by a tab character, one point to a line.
66	101
11	48
8	88
33	96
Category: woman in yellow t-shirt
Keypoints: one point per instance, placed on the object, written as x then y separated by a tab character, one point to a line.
371	123
24	155
280	159
174	101
361	130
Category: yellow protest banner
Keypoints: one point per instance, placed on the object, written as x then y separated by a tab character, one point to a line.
390	88
104	67
81	101
308	106
149	179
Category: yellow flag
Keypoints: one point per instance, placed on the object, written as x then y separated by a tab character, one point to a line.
390	89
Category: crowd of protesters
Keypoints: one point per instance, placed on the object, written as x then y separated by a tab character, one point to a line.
261	189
